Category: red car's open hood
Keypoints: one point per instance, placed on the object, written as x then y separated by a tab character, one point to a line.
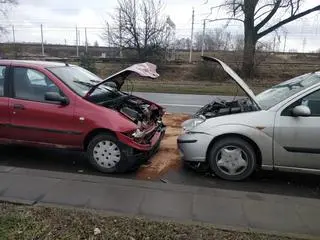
142	69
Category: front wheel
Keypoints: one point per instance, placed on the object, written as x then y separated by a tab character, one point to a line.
232	158
104	153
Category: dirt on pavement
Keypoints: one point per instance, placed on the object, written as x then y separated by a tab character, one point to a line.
168	155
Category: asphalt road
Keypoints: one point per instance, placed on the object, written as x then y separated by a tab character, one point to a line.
290	184
180	103
69	161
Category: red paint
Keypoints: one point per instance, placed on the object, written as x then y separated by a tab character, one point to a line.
54	125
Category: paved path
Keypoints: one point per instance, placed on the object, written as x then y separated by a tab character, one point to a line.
178	202
180	103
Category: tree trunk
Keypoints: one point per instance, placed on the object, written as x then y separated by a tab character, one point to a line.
249	54
250	38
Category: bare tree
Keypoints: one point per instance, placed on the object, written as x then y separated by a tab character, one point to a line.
216	39
5	6
261	17
138	24
183	43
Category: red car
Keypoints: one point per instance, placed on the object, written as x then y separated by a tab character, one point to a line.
65	106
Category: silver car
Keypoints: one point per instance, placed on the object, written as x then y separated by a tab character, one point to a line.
278	129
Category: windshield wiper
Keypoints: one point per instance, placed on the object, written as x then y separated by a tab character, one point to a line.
84	83
95	81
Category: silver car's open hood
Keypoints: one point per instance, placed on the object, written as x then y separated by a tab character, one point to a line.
235	77
146	69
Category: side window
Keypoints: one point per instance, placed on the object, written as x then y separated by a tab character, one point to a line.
30	84
2	78
312	101
36	78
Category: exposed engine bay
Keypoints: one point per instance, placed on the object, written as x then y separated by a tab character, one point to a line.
221	107
146	115
140	112
135	109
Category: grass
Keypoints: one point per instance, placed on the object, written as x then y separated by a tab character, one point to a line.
188	88
26	222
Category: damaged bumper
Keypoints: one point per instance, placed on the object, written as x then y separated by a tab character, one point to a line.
137	153
157	135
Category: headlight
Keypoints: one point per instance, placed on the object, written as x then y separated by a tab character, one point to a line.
138	134
135	133
192	123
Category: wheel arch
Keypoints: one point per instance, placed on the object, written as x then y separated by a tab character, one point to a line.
245	138
94	133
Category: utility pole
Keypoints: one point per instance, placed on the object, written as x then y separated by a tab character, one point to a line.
77	41
109	39
304	44
135	15
285	41
203	35
191	40
79	35
13	35
120	34
274	44
42	46
317	22
86	38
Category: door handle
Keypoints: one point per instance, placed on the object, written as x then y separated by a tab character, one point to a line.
18	106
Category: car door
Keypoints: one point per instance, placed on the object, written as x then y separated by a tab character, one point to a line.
4	102
35	119
297	139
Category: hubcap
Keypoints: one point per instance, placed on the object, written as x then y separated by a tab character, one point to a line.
106	154
232	160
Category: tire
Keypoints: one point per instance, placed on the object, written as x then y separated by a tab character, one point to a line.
232	159
105	154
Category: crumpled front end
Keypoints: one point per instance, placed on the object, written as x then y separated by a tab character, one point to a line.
147	117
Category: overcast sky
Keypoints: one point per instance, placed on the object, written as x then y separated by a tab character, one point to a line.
59	18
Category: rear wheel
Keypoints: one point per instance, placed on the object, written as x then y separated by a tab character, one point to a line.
232	158
105	154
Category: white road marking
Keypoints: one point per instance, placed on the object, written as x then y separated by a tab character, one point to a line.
179	105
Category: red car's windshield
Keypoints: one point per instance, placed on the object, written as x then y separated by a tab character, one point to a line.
78	79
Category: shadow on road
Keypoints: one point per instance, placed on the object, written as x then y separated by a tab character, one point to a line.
290	184
50	159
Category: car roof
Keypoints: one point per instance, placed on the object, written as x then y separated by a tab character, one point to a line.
31	63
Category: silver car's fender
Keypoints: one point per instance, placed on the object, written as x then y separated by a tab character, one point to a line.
258	136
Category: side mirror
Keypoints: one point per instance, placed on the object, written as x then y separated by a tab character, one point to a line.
56	97
301	111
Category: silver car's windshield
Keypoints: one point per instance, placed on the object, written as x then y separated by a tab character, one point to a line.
280	92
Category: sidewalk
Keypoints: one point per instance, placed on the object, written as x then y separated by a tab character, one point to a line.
160	200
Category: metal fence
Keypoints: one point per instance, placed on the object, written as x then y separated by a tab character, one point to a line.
73	41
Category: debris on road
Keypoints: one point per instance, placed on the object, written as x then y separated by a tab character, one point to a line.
164	180
168	155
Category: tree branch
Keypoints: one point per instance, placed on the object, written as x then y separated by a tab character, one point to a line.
262	14
262	7
225	19
289	19
270	15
